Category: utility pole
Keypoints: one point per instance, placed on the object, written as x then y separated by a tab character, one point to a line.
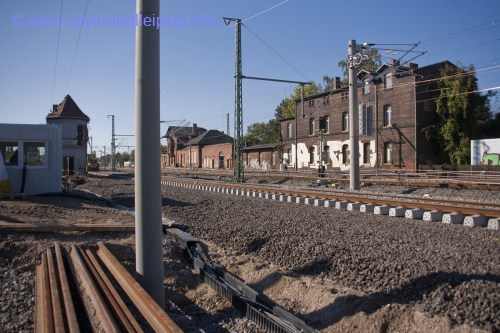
148	211
355	60
113	138
238	107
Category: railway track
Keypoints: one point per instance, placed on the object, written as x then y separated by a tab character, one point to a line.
434	179
105	309
470	213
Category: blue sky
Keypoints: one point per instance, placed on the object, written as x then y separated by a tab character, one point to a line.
197	53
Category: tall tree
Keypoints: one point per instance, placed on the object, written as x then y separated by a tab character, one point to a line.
461	110
262	133
286	109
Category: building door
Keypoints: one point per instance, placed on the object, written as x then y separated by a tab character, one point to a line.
69	165
221	160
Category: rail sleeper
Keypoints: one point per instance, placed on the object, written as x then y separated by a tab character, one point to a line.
366	208
397	211
341	205
475	221
352	206
415	213
494	224
433	216
381	210
453	218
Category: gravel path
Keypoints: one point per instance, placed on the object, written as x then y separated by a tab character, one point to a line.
441	269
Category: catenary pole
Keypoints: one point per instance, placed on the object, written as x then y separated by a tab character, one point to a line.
148	213
353	120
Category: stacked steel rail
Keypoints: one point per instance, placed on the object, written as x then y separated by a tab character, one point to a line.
54	305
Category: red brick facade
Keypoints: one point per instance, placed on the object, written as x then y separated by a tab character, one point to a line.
393	109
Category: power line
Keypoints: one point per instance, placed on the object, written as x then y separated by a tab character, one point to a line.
57	52
265	11
76	48
277	53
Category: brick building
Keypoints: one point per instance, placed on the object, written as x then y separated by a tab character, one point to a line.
177	139
198	148
262	157
395	104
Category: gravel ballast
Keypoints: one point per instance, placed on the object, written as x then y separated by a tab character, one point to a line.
446	270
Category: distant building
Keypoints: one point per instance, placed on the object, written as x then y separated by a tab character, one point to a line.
197	147
177	139
395	104
74	124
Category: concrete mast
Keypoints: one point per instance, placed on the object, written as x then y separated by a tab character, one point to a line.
148	211
353	121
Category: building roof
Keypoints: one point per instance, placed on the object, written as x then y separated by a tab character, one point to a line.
266	146
212	137
183	131
67	109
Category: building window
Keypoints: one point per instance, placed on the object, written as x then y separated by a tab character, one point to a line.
9	151
259	158
388	81
326	154
289	157
80	135
34	153
387	152
312	153
345	121
289	130
366	87
311	126
345	154
387	115
324	124
311	102
366	153
273	158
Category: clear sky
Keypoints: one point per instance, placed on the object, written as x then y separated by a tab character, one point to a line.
197	53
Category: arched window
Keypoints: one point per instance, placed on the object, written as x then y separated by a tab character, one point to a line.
387	115
311	126
387	152
345	154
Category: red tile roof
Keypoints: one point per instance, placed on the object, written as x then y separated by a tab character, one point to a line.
67	109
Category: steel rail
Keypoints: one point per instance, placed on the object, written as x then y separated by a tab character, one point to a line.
127	320
44	320
151	311
28	227
106	319
448	206
57	310
71	319
390	178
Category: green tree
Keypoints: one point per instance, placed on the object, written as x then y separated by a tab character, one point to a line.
262	133
461	112
286	109
373	63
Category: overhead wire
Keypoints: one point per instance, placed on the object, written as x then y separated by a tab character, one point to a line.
76	47
57	53
277	53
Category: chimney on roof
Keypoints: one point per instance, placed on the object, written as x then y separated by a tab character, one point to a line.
195	128
394	62
54	107
412	66
336	83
